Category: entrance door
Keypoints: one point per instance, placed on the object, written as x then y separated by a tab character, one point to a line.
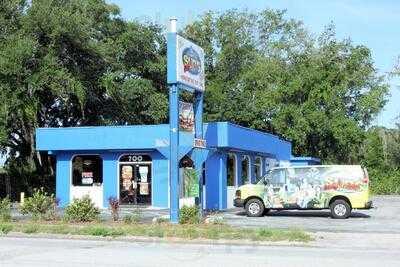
135	183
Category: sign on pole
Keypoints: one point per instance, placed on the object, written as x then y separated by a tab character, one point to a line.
188	69
185	70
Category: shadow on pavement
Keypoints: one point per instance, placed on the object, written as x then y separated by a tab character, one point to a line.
304	213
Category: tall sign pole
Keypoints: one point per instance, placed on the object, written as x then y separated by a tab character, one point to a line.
173	123
185	71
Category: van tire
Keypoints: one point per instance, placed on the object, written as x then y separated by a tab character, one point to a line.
340	209
254	207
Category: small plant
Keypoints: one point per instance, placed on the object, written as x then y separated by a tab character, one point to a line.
189	215
135	217
5	210
81	210
113	204
5	228
41	205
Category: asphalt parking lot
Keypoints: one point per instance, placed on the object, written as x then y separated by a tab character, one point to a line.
383	218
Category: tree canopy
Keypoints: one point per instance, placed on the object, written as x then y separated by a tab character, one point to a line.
267	72
74	63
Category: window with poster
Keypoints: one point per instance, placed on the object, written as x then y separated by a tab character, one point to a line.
87	170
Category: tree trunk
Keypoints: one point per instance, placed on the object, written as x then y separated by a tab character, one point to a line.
8	185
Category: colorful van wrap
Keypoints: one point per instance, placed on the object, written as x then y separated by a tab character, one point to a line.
309	187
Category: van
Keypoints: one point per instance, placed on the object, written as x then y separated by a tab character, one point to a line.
339	188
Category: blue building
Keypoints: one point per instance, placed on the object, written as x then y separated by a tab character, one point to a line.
131	163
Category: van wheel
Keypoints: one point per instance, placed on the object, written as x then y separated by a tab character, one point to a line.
254	208
340	209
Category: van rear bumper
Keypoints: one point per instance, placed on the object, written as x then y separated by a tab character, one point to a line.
367	206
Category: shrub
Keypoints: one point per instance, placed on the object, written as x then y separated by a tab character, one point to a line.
5	210
113	204
384	182
189	215
41	205
81	210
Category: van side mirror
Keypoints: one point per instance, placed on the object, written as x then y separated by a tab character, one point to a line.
266	182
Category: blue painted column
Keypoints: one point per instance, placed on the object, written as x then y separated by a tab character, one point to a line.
160	181
63	178
198	161
174	150
216	181
252	169
110	176
239	180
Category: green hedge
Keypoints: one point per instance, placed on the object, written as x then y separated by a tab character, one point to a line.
384	182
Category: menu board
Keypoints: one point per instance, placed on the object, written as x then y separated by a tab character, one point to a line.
144	188
127	174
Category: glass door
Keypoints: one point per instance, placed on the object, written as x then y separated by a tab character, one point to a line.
135	183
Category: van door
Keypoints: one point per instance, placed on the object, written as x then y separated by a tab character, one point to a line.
275	191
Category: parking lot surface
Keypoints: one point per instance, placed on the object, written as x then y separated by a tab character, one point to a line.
383	218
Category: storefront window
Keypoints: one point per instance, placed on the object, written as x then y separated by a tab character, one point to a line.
231	170
87	170
245	170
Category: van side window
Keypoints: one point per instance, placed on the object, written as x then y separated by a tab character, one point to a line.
278	177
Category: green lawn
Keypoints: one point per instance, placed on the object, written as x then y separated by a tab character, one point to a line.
164	230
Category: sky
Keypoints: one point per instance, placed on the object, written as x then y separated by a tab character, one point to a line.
373	23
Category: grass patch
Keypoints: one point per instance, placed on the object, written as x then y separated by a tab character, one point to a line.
5	228
163	230
31	228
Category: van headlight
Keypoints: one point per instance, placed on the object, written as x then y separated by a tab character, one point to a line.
238	194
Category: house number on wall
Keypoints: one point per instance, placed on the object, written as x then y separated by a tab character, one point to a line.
135	158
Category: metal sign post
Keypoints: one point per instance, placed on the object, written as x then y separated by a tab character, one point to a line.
185	70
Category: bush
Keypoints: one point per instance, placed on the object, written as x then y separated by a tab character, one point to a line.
5	210
113	204
81	210
41	205
189	215
384	182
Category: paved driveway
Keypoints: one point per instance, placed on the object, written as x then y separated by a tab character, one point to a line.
384	218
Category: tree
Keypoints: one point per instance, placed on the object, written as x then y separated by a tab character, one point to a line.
267	72
73	63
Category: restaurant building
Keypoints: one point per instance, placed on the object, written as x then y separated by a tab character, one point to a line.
131	163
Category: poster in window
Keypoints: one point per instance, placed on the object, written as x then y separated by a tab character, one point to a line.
127	174
186	117
143	171
144	188
87	178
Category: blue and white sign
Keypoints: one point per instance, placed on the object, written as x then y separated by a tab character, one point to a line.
189	64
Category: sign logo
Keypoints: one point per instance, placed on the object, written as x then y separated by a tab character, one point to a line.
191	61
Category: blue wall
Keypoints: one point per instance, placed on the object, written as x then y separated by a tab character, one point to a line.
216	181
111	176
